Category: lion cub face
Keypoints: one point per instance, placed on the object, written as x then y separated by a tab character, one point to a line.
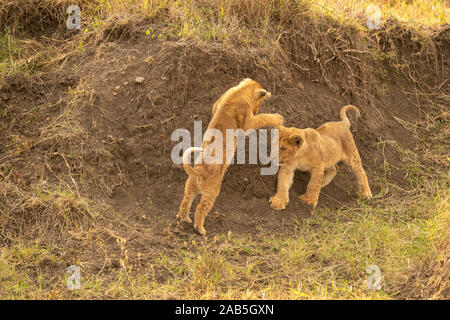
254	92
290	144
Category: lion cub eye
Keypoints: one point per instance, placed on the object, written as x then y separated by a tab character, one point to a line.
282	149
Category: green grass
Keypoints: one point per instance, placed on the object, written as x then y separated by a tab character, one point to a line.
10	56
262	22
417	13
20	277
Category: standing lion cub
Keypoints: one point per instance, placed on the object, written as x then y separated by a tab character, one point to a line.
317	151
235	109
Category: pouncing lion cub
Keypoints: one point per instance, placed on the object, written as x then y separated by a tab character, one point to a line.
235	109
317	151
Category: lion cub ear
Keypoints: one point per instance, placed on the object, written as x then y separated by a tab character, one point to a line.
296	140
261	93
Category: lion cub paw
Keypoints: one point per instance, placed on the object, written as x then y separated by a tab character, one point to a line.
200	230
184	218
306	199
278	203
278	119
367	194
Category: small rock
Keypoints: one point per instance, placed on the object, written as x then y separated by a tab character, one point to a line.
125	83
117	88
139	79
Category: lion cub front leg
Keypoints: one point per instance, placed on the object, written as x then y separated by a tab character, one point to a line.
314	186
263	120
281	198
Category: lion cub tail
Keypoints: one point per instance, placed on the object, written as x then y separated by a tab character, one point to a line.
187	167
343	113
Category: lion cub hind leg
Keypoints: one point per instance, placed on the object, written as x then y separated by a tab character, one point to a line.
329	175
314	186
354	161
191	190
356	165
206	202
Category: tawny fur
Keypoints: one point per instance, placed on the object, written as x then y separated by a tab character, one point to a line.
317	151
235	109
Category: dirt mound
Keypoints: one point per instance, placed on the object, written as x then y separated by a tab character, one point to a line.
128	126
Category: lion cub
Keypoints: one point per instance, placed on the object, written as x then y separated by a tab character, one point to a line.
317	151
235	109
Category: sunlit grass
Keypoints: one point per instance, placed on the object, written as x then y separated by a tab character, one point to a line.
415	13
249	22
